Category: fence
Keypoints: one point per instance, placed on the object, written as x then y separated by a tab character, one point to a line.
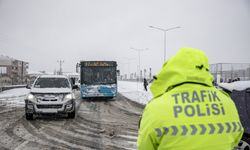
228	72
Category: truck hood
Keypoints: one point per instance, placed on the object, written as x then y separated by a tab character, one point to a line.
50	90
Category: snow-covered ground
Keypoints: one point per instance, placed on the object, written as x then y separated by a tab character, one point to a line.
13	97
132	90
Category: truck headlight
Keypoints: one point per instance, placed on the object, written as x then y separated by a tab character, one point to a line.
30	97
69	97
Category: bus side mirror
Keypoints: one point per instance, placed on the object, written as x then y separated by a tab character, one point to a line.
118	72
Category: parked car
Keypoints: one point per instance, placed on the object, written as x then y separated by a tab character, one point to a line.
50	94
240	93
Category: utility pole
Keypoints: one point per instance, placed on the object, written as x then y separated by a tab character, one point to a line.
60	64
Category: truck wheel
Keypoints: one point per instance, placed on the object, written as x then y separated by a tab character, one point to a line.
72	114
29	116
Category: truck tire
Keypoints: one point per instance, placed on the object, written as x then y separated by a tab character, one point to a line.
29	116
72	114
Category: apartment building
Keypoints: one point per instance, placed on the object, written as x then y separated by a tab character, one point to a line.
12	71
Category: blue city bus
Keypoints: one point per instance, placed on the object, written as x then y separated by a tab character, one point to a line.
98	79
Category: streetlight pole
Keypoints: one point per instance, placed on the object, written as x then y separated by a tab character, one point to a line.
165	34
128	63
139	56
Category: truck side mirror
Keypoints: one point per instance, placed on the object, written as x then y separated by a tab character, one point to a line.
28	86
75	87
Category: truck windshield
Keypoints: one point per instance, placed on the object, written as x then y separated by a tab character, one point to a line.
51	83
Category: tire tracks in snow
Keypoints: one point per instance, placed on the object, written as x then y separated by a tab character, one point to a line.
99	124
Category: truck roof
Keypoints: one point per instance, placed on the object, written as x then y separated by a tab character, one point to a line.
53	76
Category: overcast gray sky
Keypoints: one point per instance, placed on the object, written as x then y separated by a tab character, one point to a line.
44	31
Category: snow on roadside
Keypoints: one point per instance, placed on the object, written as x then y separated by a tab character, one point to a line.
13	97
134	91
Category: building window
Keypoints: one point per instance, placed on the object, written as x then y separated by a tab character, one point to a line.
3	70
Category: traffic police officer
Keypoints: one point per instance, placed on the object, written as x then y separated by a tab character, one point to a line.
187	111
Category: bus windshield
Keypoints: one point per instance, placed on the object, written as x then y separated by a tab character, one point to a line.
98	75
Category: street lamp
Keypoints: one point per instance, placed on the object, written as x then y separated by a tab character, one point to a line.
128	63
139	56
164	30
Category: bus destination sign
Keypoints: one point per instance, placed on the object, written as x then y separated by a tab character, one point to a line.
98	64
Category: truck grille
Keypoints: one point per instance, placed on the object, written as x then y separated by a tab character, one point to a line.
49	106
49	99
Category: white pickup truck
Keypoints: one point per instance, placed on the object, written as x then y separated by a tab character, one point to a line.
50	94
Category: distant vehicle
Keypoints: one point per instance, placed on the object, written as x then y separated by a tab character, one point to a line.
73	78
240	93
50	94
98	79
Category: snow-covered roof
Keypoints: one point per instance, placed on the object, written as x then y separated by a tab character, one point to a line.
53	76
5	60
34	73
6	57
72	74
237	85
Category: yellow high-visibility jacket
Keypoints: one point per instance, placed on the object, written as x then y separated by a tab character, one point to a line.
187	111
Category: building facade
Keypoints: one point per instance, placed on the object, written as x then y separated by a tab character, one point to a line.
12	71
